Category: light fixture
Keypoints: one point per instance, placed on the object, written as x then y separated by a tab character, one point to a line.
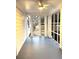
41	5
41	8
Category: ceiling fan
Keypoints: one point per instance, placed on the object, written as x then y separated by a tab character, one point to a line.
41	4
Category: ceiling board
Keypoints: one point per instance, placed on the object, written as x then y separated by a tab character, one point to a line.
31	6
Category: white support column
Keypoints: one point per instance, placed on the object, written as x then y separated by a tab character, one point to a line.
54	26
49	25
31	27
57	24
40	25
45	22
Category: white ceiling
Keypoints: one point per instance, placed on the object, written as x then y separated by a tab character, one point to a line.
31	6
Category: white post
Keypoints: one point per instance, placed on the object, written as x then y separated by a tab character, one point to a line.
40	25
45	22
54	26
49	25
57	24
31	27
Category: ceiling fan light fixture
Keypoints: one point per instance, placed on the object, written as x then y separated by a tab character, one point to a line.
40	4
40	8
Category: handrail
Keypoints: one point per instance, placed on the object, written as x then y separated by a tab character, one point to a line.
56	33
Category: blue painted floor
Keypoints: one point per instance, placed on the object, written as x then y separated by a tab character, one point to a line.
40	48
